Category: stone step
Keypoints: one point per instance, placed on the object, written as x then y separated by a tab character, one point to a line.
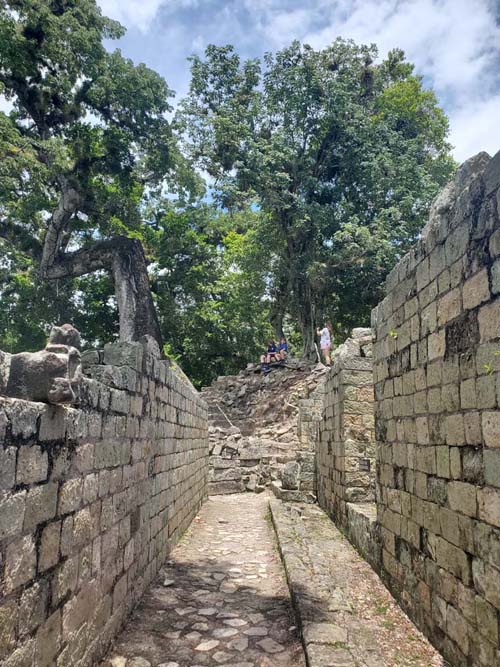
224	488
224	475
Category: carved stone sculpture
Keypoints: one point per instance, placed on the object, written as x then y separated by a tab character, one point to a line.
52	375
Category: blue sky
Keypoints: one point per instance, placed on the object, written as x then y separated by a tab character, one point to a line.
455	44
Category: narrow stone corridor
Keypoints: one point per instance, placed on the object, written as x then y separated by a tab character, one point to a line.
222	599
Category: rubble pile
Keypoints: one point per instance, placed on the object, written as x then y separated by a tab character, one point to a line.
253	425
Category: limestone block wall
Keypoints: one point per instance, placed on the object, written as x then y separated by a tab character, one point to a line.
437	381
92	498
345	446
308	420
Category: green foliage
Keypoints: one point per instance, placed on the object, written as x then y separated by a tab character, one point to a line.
321	167
30	307
211	286
87	122
344	154
84	118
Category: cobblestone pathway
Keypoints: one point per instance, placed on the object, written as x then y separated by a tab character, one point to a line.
222	599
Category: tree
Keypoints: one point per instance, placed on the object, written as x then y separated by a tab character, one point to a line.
343	153
211	279
86	137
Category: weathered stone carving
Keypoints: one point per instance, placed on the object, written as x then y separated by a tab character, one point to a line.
52	375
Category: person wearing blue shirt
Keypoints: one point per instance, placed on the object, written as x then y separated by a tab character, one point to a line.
272	354
283	348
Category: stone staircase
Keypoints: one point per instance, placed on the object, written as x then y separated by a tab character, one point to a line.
254	426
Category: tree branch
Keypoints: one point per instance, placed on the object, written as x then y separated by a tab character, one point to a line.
81	262
125	259
67	206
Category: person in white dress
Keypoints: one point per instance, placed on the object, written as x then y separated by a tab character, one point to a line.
325	342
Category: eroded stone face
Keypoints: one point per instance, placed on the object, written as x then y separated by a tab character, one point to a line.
66	335
52	375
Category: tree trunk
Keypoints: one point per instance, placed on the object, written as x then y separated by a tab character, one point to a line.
125	259
303	299
308	333
277	323
67	206
279	305
133	294
306	316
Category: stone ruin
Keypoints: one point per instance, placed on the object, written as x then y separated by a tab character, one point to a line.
103	465
104	458
408	453
260	431
50	376
297	480
345	444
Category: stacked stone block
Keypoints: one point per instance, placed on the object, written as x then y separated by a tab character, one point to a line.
308	419
345	447
437	381
92	498
259	423
297	479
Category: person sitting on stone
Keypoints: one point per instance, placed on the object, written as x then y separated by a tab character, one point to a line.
283	348
272	353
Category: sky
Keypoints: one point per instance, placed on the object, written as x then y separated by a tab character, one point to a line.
454	44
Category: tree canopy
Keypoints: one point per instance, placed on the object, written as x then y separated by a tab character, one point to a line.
279	194
343	152
211	286
90	129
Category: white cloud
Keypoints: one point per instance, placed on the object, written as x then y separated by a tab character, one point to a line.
281	27
279	22
475	127
132	13
141	14
455	44
5	105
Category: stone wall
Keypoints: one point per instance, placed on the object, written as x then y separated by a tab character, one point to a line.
297	479
308	420
437	381
92	498
345	447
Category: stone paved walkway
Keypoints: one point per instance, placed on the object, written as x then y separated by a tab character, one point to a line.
222	599
348	617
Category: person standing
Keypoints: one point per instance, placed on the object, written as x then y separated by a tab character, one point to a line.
325	342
